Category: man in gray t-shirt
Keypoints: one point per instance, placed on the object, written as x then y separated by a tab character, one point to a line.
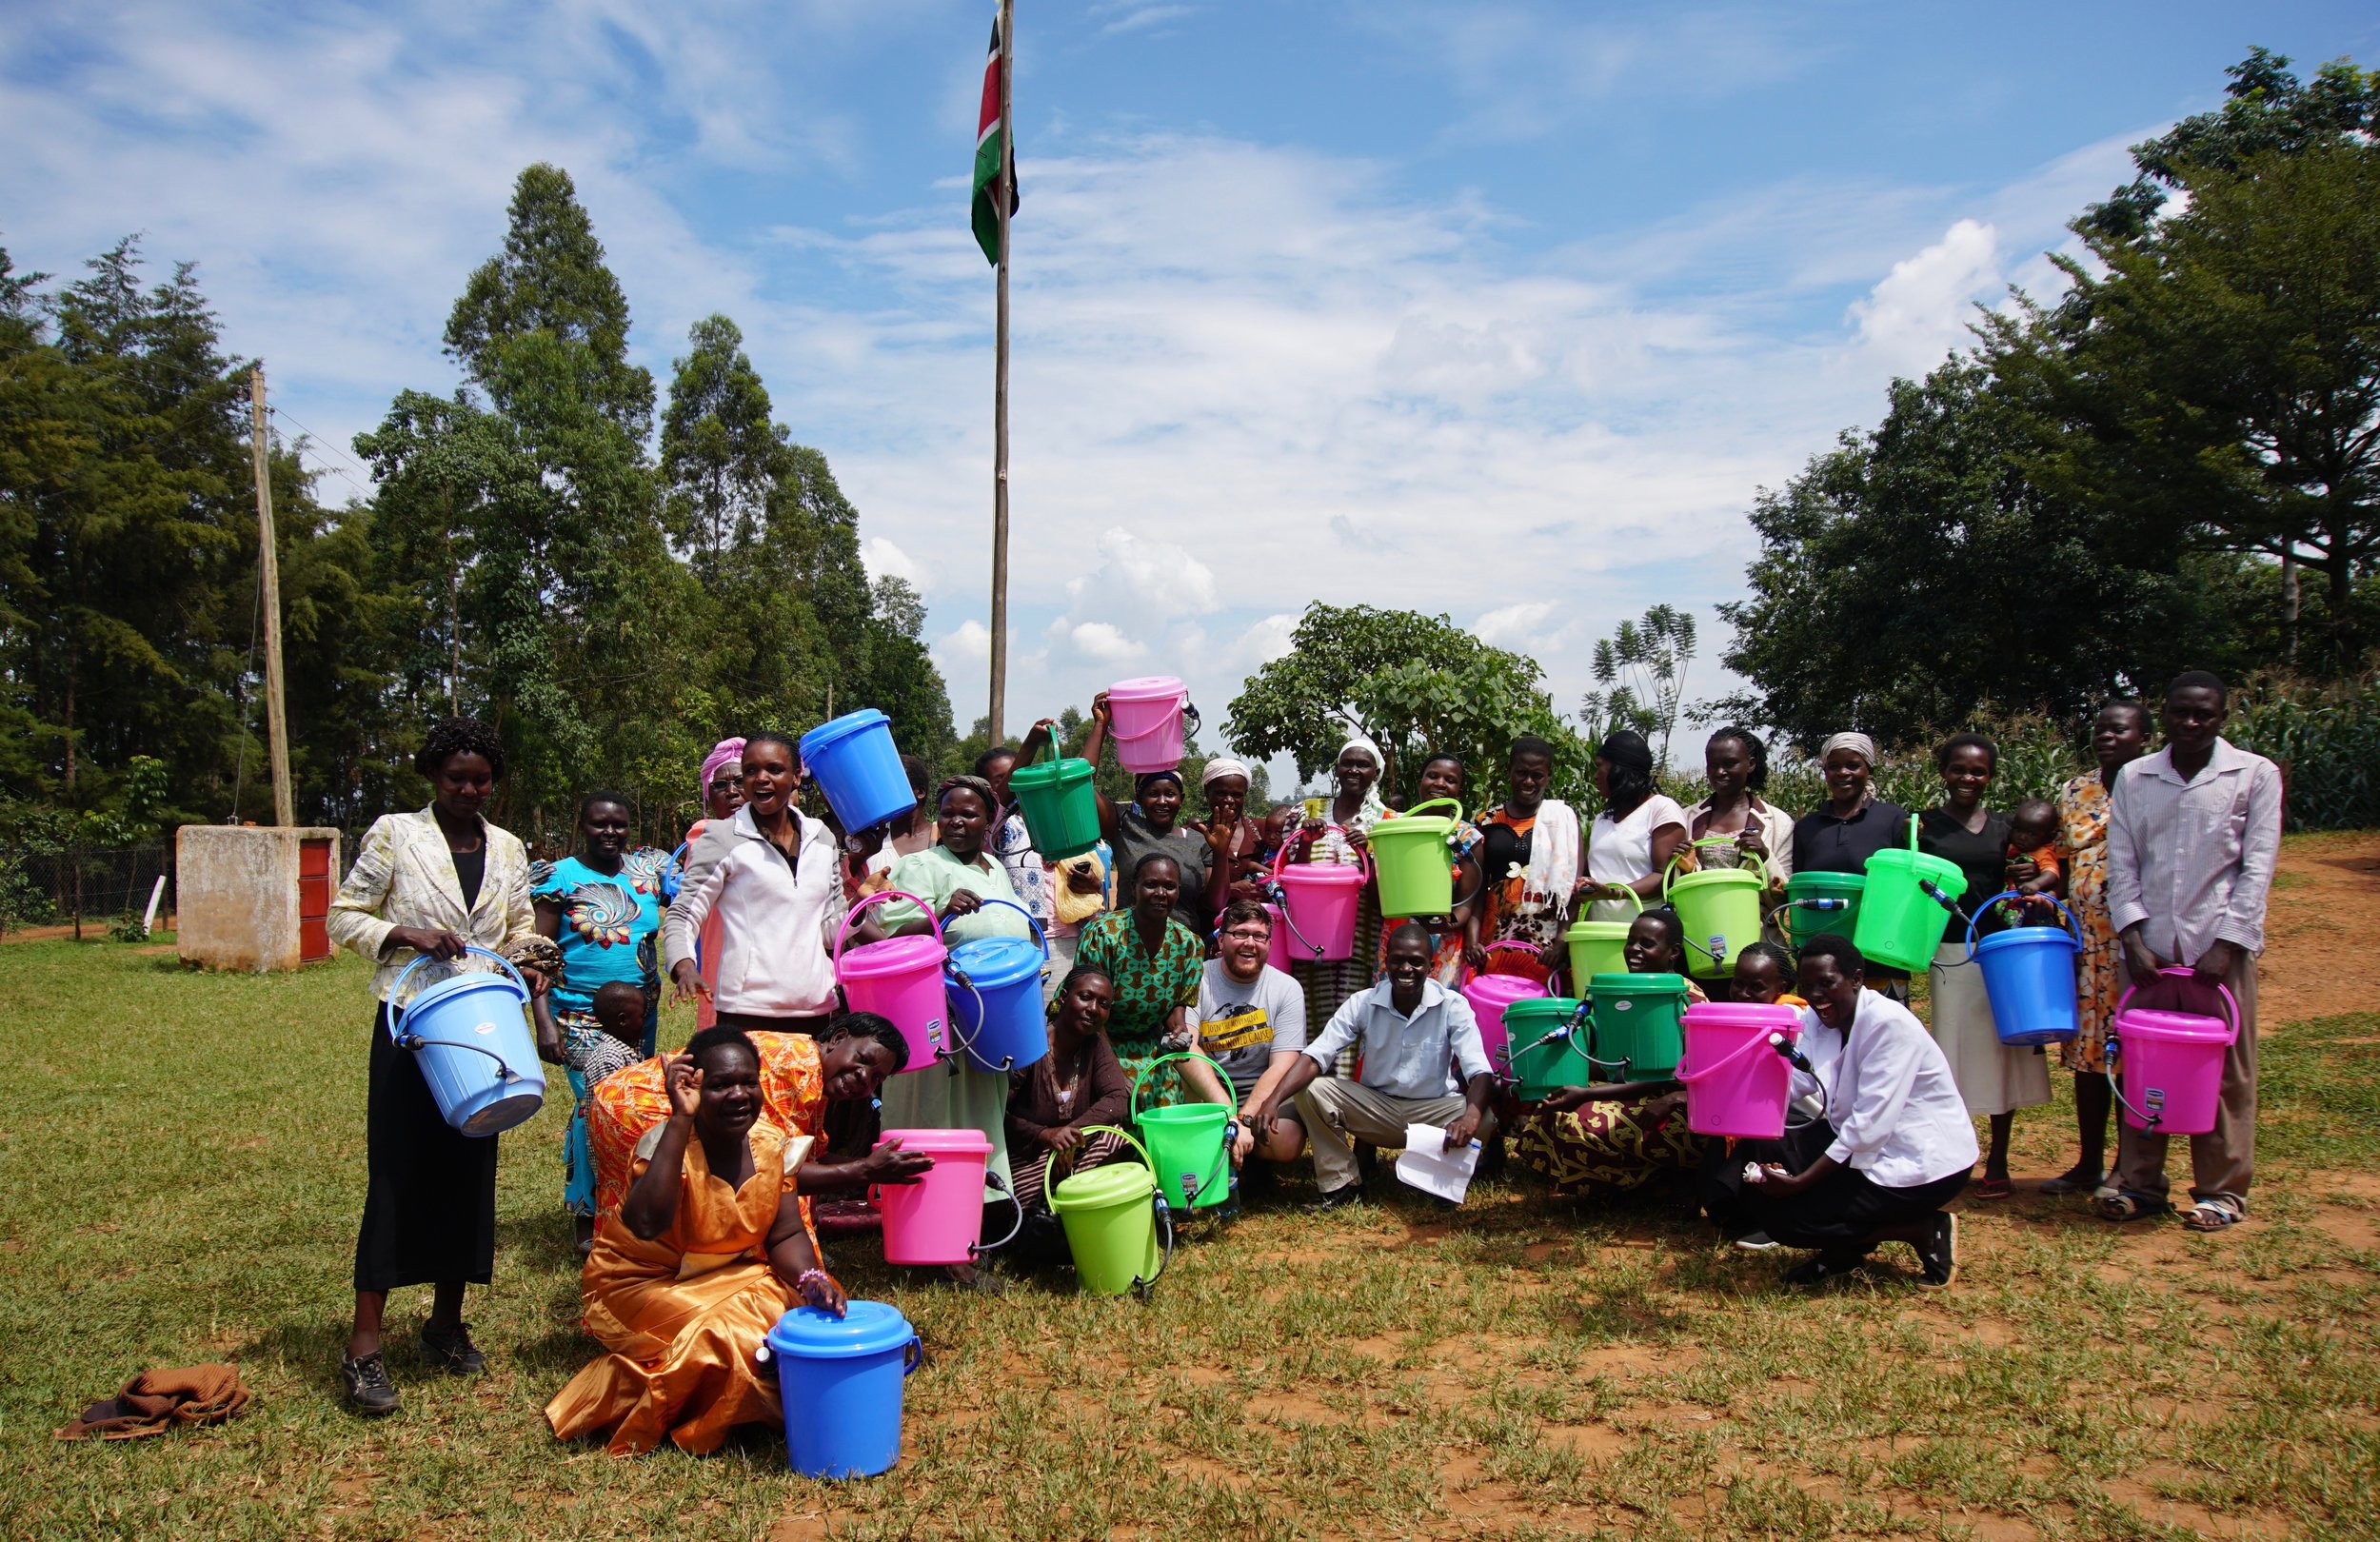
1252	1021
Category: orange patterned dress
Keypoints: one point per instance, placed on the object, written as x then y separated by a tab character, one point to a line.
684	1313
627	1104
2082	845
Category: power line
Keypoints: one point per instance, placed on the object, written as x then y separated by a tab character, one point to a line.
321	453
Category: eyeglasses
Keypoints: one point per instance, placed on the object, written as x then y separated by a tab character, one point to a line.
1249	934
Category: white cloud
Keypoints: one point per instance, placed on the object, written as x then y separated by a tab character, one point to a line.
969	642
884	560
1097	642
1922	307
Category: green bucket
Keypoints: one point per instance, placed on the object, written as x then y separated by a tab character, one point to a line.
1598	947
1639	1025
1187	1146
1803	921
1719	908
1110	1216
1549	1045
1900	925
1062	813
1415	864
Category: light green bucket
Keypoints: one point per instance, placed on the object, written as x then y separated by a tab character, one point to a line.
1899	925
1187	1146
1414	865
1110	1214
1718	907
1598	947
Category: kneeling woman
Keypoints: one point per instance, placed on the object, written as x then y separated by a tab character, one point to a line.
707	1251
1617	1137
1903	1144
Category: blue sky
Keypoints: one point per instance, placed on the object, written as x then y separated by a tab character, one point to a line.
1500	310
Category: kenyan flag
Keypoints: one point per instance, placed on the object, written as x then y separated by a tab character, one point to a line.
989	155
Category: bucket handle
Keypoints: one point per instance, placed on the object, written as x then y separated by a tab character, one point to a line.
1165	1216
1972	921
420	958
1433	804
1039	936
2179	971
1470	974
1669	874
1758	1042
965	1040
1222	1157
936	922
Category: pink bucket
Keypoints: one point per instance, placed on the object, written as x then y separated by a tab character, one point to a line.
1279	958
899	978
1489	995
1148	719
1736	1084
937	1220
1320	899
2169	1066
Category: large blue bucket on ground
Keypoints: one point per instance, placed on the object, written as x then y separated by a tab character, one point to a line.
472	1040
840	1379
2029	975
996	1001
856	765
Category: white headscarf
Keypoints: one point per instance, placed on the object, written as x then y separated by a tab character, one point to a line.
1850	740
1334	846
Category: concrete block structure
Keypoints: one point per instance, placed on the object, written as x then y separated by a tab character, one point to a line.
254	899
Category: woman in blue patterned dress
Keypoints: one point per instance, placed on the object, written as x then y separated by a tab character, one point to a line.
604	909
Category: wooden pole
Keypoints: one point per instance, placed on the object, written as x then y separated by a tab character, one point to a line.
269	574
1004	191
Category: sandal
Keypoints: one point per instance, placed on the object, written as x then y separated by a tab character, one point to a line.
2131	1207
1994	1188
2209	1215
2074	1180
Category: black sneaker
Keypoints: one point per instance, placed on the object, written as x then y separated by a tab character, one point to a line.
370	1390
1938	1253
450	1350
1334	1199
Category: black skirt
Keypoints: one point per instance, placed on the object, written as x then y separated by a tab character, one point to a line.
429	1204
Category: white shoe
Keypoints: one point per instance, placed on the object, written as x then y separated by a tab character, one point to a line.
1757	1241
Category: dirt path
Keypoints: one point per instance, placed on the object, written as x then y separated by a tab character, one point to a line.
2322	928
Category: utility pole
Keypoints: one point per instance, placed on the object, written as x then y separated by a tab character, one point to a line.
269	574
1001	195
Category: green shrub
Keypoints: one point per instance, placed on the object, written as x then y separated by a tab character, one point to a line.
2327	738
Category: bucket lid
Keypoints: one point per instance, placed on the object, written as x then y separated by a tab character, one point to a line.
1601	985
2027	937
867	1328
969	1142
1598	931
1775	1014
2192	1027
894	956
1411	827
1116	1183
1532	1008
1707	878
1505	989
463	983
1944	873
1323	875
997	960
1147	688
1051	773
843	728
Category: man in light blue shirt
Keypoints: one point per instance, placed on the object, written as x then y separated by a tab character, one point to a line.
1422	1064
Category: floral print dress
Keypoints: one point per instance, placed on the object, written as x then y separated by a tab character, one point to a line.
2082	845
1148	989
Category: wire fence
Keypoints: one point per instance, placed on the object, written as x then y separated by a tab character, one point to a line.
94	885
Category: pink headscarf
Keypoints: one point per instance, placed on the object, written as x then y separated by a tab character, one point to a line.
726	752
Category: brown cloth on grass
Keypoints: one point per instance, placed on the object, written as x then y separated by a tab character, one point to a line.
154	1401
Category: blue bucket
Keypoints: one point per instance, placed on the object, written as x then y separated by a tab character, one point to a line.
468	1034
996	997
2029	975
840	1379
859	769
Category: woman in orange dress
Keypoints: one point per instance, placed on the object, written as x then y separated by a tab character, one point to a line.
2118	736
709	1247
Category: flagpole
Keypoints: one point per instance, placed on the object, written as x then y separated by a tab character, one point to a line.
1004	192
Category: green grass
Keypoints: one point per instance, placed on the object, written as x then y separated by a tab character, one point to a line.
182	1163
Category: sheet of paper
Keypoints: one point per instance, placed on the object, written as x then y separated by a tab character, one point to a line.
1425	1163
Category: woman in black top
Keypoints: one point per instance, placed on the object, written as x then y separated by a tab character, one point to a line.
1851	826
1996	1080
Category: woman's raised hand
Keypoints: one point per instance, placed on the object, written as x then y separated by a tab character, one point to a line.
1752	840
684	1081
1100	710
